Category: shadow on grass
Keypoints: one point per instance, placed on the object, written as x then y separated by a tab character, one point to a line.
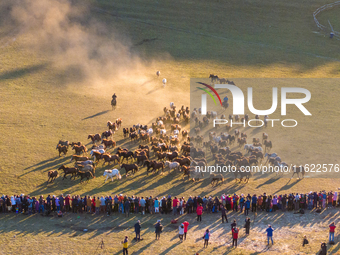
46	165
154	90
19	72
169	249
96	115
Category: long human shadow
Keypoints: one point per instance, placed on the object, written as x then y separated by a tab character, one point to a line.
169	249
19	72
96	115
287	187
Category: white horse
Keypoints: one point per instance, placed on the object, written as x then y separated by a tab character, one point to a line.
248	146
217	139
172	165
86	162
101	151
111	174
258	148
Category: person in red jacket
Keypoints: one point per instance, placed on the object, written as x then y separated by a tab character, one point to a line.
174	206
331	232
186	224
235	236
199	212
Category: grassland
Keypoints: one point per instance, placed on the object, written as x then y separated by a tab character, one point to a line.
48	94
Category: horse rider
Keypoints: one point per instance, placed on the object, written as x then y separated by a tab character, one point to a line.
114	96
225	99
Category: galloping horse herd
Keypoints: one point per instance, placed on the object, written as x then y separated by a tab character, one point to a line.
166	145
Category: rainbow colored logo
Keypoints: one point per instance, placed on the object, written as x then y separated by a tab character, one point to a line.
212	89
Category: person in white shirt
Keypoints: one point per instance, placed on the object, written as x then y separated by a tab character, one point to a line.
181	232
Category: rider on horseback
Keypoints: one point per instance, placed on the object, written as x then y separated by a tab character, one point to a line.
114	96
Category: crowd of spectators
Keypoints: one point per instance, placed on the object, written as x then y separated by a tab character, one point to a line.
165	205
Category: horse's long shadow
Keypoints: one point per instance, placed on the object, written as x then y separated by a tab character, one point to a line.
152	91
46	165
96	115
42	162
148	81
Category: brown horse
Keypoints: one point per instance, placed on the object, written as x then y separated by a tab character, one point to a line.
243	174
172	155
267	144
68	170
97	155
157	165
52	174
264	136
83	175
186	171
126	155
141	159
160	155
113	103
63	143
130	167
78	158
110	158
125	132
109	143
107	134
112	125
148	164
144	137
94	138
183	161
76	143
133	136
62	149
79	149
213	77
298	170
119	122
87	168
215	178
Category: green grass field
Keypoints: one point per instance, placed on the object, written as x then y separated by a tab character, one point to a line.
60	65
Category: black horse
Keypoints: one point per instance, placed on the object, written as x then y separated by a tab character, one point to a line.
213	77
225	104
114	101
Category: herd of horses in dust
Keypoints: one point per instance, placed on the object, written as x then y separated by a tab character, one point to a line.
166	146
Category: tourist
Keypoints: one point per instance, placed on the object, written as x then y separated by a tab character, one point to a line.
269	231
138	227
206	238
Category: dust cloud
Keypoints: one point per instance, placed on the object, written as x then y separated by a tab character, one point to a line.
90	54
